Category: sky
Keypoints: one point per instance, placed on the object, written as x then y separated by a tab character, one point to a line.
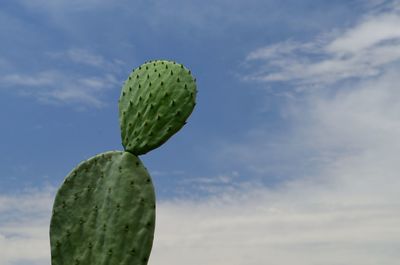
290	156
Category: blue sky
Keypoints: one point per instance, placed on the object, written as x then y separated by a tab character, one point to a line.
63	64
291	148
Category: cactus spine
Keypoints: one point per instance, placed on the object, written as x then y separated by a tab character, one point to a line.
104	212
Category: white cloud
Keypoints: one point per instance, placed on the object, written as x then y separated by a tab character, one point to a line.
86	57
365	114
81	56
59	5
358	52
84	83
304	222
24	222
338	200
57	87
345	210
343	133
371	32
41	79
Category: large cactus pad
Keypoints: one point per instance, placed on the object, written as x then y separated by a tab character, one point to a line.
155	102
104	213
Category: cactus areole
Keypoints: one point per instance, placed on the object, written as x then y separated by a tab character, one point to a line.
104	212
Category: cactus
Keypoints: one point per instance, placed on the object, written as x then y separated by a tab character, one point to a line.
155	102
104	212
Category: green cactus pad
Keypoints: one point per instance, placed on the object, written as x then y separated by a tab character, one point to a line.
104	213
155	102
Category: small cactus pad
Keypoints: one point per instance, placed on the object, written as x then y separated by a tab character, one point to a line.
155	102
104	213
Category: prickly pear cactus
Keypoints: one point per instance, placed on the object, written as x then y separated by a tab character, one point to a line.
155	102
104	212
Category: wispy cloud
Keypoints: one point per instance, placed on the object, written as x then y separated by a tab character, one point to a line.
76	88
58	5
361	51
41	79
80	56
86	57
57	87
353	123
